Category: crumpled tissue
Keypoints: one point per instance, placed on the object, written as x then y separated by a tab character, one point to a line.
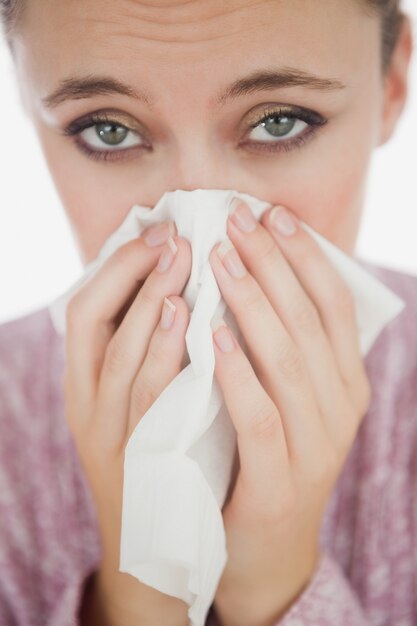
178	460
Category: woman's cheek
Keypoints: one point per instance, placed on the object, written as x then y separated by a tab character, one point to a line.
334	208
93	208
95	198
337	180
327	192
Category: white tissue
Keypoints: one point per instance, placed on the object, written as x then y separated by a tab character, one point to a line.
178	460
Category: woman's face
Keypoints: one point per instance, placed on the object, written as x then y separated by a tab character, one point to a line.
198	78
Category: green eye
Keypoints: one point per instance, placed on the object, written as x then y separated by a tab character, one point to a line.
98	135
111	133
279	126
283	128
276	127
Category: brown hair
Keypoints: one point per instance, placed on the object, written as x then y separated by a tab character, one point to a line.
391	20
389	11
10	11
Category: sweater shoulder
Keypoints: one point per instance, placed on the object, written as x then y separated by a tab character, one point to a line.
31	363
25	340
22	337
49	535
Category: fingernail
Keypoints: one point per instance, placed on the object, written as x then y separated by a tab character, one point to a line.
242	216
231	259
168	314
222	335
167	256
282	221
158	234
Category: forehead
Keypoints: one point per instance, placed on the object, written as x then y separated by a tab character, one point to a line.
192	45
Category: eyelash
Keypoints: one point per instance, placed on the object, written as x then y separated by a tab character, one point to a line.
314	121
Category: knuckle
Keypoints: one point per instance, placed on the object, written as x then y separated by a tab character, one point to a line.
147	296
264	422
242	377
268	253
306	317
143	395
116	357
158	353
290	363
253	302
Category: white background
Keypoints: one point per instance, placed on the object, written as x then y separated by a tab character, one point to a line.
38	257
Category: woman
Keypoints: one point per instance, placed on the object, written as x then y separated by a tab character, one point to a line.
282	100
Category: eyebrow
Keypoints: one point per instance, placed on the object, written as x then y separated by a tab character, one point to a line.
77	88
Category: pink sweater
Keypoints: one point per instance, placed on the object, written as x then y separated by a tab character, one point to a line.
49	538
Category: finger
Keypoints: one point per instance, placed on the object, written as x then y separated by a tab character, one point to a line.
127	348
263	454
276	359
93	309
269	267
163	360
335	304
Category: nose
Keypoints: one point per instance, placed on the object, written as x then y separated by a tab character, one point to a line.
203	162
198	164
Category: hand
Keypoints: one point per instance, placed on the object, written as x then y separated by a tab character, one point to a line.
296	402
119	360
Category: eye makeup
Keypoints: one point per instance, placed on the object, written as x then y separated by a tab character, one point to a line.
284	118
